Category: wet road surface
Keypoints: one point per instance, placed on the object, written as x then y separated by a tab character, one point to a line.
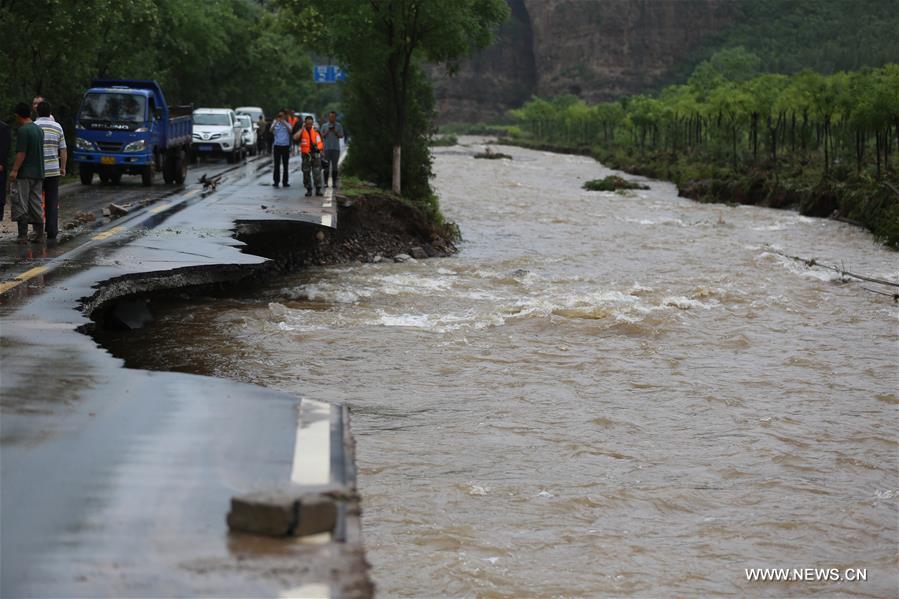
81	199
116	482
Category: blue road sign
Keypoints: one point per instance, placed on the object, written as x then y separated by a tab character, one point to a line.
327	73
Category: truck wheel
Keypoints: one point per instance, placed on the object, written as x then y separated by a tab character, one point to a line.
104	177
86	173
168	168
146	175
180	168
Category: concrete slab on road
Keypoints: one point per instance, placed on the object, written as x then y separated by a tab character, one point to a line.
116	482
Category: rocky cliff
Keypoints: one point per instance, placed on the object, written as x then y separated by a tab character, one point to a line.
595	49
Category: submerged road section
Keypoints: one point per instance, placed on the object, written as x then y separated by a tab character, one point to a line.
117	482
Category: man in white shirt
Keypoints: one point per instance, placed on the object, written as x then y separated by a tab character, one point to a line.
55	158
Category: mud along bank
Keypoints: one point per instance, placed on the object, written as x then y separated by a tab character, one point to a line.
116	481
869	204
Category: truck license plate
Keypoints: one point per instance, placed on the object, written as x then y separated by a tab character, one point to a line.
107	160
205	147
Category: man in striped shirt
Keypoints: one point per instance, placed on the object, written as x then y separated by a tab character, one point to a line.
55	157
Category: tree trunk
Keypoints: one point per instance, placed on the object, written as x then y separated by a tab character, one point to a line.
733	145
859	151
754	134
897	134
877	146
772	131
803	133
793	134
397	169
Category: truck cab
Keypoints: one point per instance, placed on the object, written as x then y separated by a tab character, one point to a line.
126	127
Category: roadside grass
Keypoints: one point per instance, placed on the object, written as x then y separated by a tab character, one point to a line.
439	141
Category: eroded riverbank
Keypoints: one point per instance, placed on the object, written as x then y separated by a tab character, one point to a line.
600	395
869	204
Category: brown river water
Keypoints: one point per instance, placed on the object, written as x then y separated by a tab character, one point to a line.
600	395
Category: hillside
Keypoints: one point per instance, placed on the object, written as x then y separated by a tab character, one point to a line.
605	49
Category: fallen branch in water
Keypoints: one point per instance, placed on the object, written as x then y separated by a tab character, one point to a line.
893	295
843	272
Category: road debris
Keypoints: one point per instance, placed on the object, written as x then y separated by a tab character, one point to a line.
294	511
116	210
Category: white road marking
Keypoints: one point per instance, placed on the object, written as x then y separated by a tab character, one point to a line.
326	220
307	591
312	452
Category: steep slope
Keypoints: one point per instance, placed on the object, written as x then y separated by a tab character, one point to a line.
596	49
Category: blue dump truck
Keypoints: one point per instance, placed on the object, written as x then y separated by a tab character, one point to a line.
124	126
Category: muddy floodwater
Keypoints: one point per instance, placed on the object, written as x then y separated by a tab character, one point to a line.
601	394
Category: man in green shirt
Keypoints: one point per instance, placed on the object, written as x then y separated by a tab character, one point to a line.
27	176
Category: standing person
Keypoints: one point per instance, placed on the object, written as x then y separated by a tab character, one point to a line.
5	143
55	158
311	147
27	175
260	134
295	125
333	133
281	147
37	100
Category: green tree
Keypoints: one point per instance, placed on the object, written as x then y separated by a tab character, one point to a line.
382	43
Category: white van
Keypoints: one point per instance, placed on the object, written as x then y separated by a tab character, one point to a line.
217	132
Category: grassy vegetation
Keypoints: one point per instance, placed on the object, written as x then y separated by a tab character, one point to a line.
443	141
612	183
489	154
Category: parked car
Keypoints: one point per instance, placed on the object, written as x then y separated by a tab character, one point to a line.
126	126
250	133
254	111
217	132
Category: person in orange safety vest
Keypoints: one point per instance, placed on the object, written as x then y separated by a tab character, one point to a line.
311	146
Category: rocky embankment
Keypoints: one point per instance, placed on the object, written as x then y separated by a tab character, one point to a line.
372	227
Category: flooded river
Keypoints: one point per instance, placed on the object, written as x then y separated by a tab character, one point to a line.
601	394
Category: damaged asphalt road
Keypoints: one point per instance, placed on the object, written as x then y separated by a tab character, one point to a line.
117	482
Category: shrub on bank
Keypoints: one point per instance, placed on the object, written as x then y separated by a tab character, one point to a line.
612	183
444	141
